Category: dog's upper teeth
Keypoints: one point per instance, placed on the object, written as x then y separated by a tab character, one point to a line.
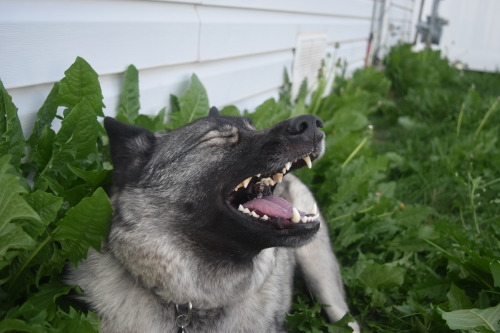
278	177
314	210
284	170
288	165
268	181
246	182
307	159
257	175
296	215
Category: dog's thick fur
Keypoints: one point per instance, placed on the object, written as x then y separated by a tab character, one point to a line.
177	236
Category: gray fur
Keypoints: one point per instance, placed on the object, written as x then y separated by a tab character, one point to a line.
173	240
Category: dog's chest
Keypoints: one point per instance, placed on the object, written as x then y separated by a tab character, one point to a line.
263	310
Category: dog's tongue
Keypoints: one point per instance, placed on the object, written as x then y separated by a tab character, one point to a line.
272	206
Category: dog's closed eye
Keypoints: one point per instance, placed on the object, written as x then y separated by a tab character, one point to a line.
225	136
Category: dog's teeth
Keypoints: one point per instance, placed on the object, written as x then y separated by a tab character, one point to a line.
314	210
304	219
288	165
296	215
240	208
265	217
268	181
258	175
246	211
284	170
278	177
307	159
237	187
247	181
254	214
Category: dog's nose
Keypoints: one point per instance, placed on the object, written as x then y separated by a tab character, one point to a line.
304	124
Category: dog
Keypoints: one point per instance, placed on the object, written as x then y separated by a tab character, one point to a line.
208	226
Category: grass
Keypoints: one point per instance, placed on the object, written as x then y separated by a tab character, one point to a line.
414	205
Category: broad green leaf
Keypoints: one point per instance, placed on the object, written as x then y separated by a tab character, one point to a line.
457	299
174	104
469	319
44	118
269	113
43	299
192	105
128	108
81	82
11	133
495	272
381	276
12	205
76	140
17	325
92	177
84	226
47	206
230	110
12	209
152	123
13	240
77	322
40	156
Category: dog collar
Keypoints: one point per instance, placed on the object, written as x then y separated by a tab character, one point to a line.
183	313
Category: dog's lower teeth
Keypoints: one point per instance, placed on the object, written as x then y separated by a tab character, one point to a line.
295	216
254	214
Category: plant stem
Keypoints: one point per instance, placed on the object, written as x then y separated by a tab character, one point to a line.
354	152
32	256
486	116
460	117
475	183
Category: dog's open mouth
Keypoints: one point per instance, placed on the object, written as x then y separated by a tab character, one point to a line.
254	197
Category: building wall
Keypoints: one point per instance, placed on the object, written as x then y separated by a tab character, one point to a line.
237	48
472	35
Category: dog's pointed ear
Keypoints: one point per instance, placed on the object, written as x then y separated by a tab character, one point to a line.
130	147
213	112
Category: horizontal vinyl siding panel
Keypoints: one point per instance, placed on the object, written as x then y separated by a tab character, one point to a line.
399	14
229	32
351	8
38	44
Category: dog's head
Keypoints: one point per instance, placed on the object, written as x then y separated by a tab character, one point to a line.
210	183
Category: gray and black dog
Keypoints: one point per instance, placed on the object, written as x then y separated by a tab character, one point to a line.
206	232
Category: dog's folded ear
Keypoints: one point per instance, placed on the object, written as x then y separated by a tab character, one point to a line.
213	112
130	147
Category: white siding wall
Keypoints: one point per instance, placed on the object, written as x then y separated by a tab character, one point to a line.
472	35
394	23
238	48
